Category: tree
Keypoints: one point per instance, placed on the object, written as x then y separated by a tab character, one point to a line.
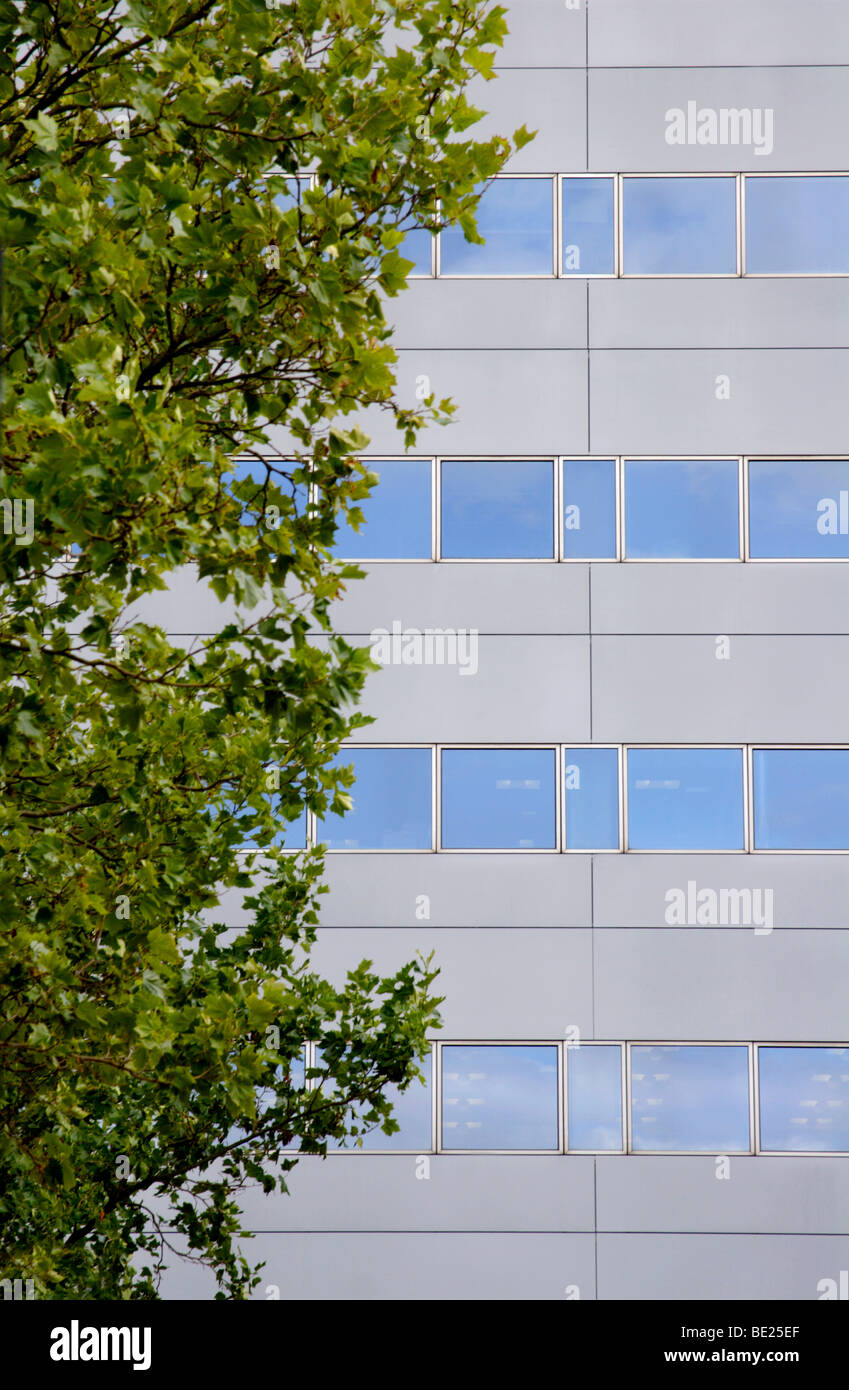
172	297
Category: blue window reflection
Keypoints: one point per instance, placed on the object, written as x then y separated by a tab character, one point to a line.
411	1109
682	509
804	1099
296	495
594	1091
292	195
417	247
591	780
589	509
498	798
515	218
502	1097
397	515
690	1099
588	226
392	801
797	226
497	509
675	226
685	798
799	509
801	798
291	835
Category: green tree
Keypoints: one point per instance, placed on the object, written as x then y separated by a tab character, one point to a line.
172	299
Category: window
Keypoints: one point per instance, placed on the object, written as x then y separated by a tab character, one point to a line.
801	798
797	226
690	1099
680	226
391	801
498	798
397	515
417	247
682	509
499	1097
591	782
497	510
804	1099
799	509
515	218
594	1097
411	1109
685	798
589	509
275	473
588	226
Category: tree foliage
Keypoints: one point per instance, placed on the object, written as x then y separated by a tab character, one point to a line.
173	299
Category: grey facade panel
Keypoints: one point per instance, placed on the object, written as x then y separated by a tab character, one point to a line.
474	890
468	314
715	1267
545	33
522	983
370	1192
809	890
628	117
689	1194
698	984
668	33
772	689
553	103
733	313
667	403
489	597
526	688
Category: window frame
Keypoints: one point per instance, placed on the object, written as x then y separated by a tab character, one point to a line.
742	539
576	1047
552	274
375	460
518	746
795	747
750	1152
557	529
556	1043
787	274
684	747
620	791
312	818
789	1153
684	275
616	273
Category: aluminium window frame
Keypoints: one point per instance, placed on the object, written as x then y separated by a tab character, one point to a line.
376	460
551	274
616	272
556	1043
518	746
620	791
790	747
737	559
786	458
556	529
576	1047
750	1152
312	819
683	275
354	1150
787	274
744	771
790	1153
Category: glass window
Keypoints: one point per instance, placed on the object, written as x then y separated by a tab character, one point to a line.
804	1099
515	218
502	1097
592	798
292	195
588	227
498	798
685	798
411	1109
292	835
690	1099
254	469
801	798
797	226
799	509
391	801
594	1093
682	509
497	510
397	515
684	226
416	247
589	509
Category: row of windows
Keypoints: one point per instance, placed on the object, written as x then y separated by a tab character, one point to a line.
644	225
603	509
717	1098
588	798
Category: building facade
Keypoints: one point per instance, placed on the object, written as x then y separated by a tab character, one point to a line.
608	781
